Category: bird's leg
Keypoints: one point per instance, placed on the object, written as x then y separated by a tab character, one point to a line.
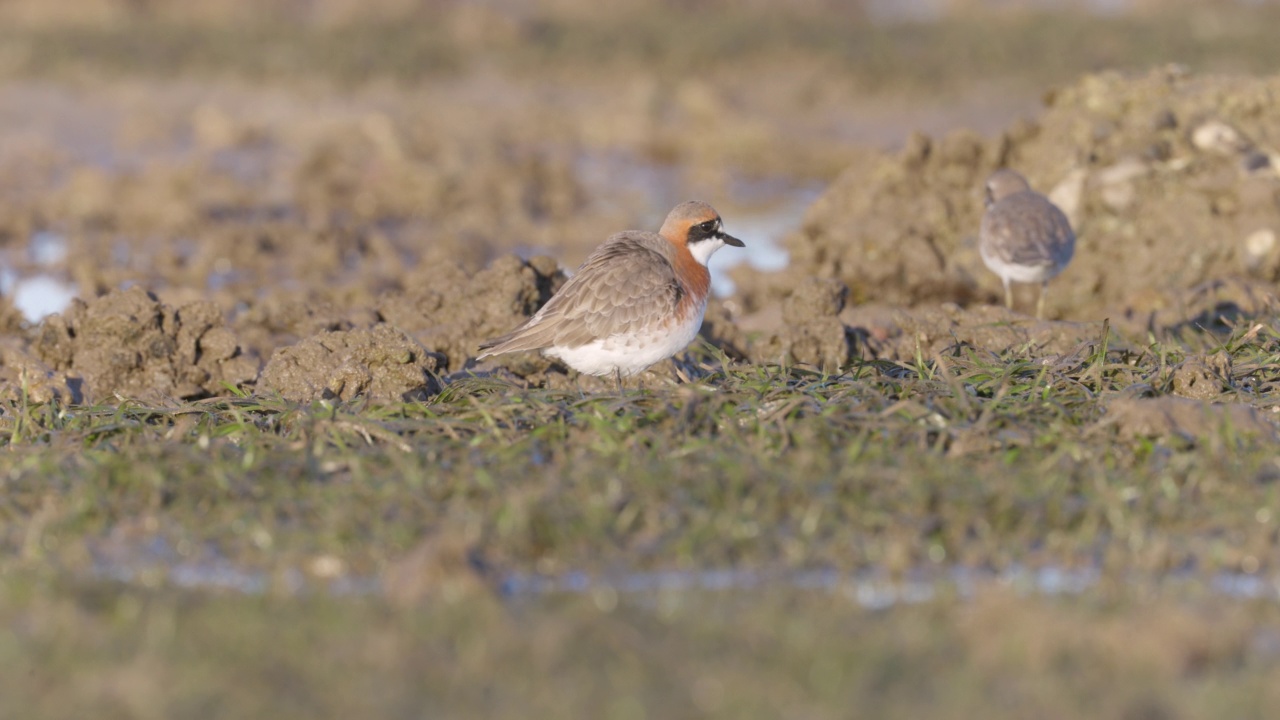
617	376
1044	288
1008	294
677	369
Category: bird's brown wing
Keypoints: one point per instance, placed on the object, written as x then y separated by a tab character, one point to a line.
626	284
1027	229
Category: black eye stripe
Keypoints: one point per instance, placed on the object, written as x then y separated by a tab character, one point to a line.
703	230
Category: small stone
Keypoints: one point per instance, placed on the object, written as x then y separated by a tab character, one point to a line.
1219	137
1260	243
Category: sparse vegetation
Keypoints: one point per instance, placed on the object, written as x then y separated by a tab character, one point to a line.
961	460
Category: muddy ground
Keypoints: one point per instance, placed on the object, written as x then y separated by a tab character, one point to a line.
252	468
375	228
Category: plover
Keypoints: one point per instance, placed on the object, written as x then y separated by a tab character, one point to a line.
1024	237
637	299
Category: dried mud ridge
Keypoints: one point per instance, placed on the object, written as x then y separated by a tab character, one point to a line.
1170	179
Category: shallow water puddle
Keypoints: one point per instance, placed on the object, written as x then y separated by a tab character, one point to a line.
155	562
33	286
888	12
763	231
876	590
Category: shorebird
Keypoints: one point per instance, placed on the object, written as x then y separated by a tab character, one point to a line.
638	299
1024	237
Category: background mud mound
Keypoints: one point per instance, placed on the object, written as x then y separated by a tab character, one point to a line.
128	343
1170	181
452	312
381	363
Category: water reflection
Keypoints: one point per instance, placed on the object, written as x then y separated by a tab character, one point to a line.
153	562
31	281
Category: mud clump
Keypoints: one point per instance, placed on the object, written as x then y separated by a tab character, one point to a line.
277	321
446	309
127	343
1202	378
904	335
1183	418
1166	177
382	364
24	375
444	564
811	331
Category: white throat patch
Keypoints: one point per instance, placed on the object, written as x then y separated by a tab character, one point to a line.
704	249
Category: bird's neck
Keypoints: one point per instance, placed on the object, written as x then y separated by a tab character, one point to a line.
692	275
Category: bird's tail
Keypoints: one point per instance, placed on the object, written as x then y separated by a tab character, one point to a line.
524	338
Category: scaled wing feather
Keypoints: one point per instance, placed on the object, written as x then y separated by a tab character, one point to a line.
626	284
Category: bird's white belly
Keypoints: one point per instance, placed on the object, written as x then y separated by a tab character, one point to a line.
1021	273
630	354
